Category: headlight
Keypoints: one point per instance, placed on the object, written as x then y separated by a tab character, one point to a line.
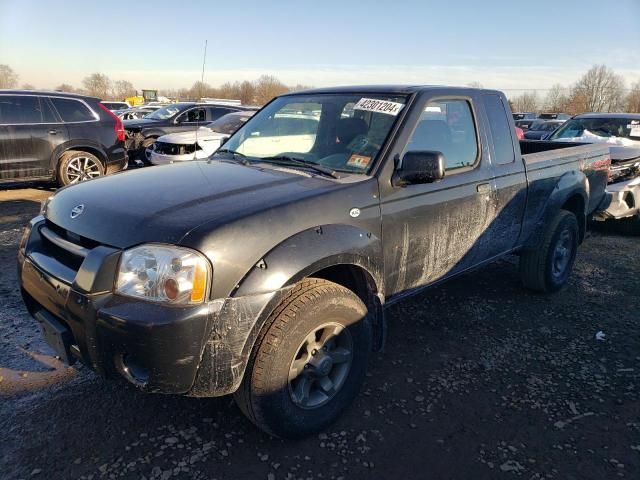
162	273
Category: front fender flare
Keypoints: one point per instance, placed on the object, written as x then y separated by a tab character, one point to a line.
312	250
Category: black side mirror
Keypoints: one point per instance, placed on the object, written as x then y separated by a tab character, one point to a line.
420	166
223	140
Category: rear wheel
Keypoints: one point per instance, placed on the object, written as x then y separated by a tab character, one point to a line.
77	166
547	268
309	361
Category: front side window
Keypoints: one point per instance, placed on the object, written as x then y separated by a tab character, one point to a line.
343	132
192	116
71	110
447	126
18	109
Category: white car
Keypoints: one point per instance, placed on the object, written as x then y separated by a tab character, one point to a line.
195	144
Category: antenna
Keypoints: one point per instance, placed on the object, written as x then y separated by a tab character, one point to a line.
204	61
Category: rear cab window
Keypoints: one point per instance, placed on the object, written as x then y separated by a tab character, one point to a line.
72	110
500	130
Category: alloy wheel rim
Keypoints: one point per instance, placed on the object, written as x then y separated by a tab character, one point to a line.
562	254
320	366
80	169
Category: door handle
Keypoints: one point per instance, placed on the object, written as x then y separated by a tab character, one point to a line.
483	188
53	131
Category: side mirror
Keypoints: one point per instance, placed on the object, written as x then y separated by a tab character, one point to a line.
420	166
223	140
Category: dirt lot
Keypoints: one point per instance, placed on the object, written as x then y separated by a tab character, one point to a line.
480	379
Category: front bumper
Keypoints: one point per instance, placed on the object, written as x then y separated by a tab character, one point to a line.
195	350
625	200
156	158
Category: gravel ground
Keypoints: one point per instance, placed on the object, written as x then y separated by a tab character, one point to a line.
480	379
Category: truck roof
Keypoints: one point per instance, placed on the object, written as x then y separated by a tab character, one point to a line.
392	89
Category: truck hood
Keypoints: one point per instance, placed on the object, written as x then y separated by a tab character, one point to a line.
190	137
162	204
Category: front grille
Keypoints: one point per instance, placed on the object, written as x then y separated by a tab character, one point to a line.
64	246
173	149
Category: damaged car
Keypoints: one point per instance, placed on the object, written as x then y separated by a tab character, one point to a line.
173	118
197	144
621	133
265	270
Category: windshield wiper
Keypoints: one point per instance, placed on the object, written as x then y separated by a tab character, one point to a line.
287	160
239	157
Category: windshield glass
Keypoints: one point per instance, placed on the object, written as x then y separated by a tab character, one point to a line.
342	132
619	130
164	112
229	123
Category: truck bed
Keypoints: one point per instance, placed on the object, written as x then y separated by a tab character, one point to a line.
543	159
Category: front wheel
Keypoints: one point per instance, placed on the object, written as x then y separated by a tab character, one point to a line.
547	267
309	362
76	166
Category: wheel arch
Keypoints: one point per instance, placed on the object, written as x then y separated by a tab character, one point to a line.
81	147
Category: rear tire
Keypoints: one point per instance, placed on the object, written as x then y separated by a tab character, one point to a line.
547	268
288	390
75	166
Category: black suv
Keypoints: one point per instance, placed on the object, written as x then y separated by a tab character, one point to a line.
57	136
176	117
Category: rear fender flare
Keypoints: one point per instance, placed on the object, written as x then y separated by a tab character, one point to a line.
569	185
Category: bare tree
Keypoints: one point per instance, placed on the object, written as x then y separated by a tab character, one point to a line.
97	85
267	87
123	89
65	87
557	99
247	93
27	86
599	90
527	102
8	78
633	99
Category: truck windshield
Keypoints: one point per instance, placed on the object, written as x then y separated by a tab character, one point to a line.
619	130
342	132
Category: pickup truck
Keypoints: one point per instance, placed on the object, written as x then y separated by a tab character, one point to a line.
265	270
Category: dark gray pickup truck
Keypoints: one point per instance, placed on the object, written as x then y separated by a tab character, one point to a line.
264	271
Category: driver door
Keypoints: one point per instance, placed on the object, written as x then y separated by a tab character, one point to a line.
434	230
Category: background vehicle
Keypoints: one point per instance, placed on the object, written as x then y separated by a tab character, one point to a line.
542	128
621	133
116	106
519	133
147	96
200	143
525	116
57	136
554	116
266	274
173	118
526	123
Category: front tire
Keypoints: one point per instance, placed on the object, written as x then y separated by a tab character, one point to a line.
76	166
309	360
547	268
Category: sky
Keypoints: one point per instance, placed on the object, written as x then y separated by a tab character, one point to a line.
510	45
